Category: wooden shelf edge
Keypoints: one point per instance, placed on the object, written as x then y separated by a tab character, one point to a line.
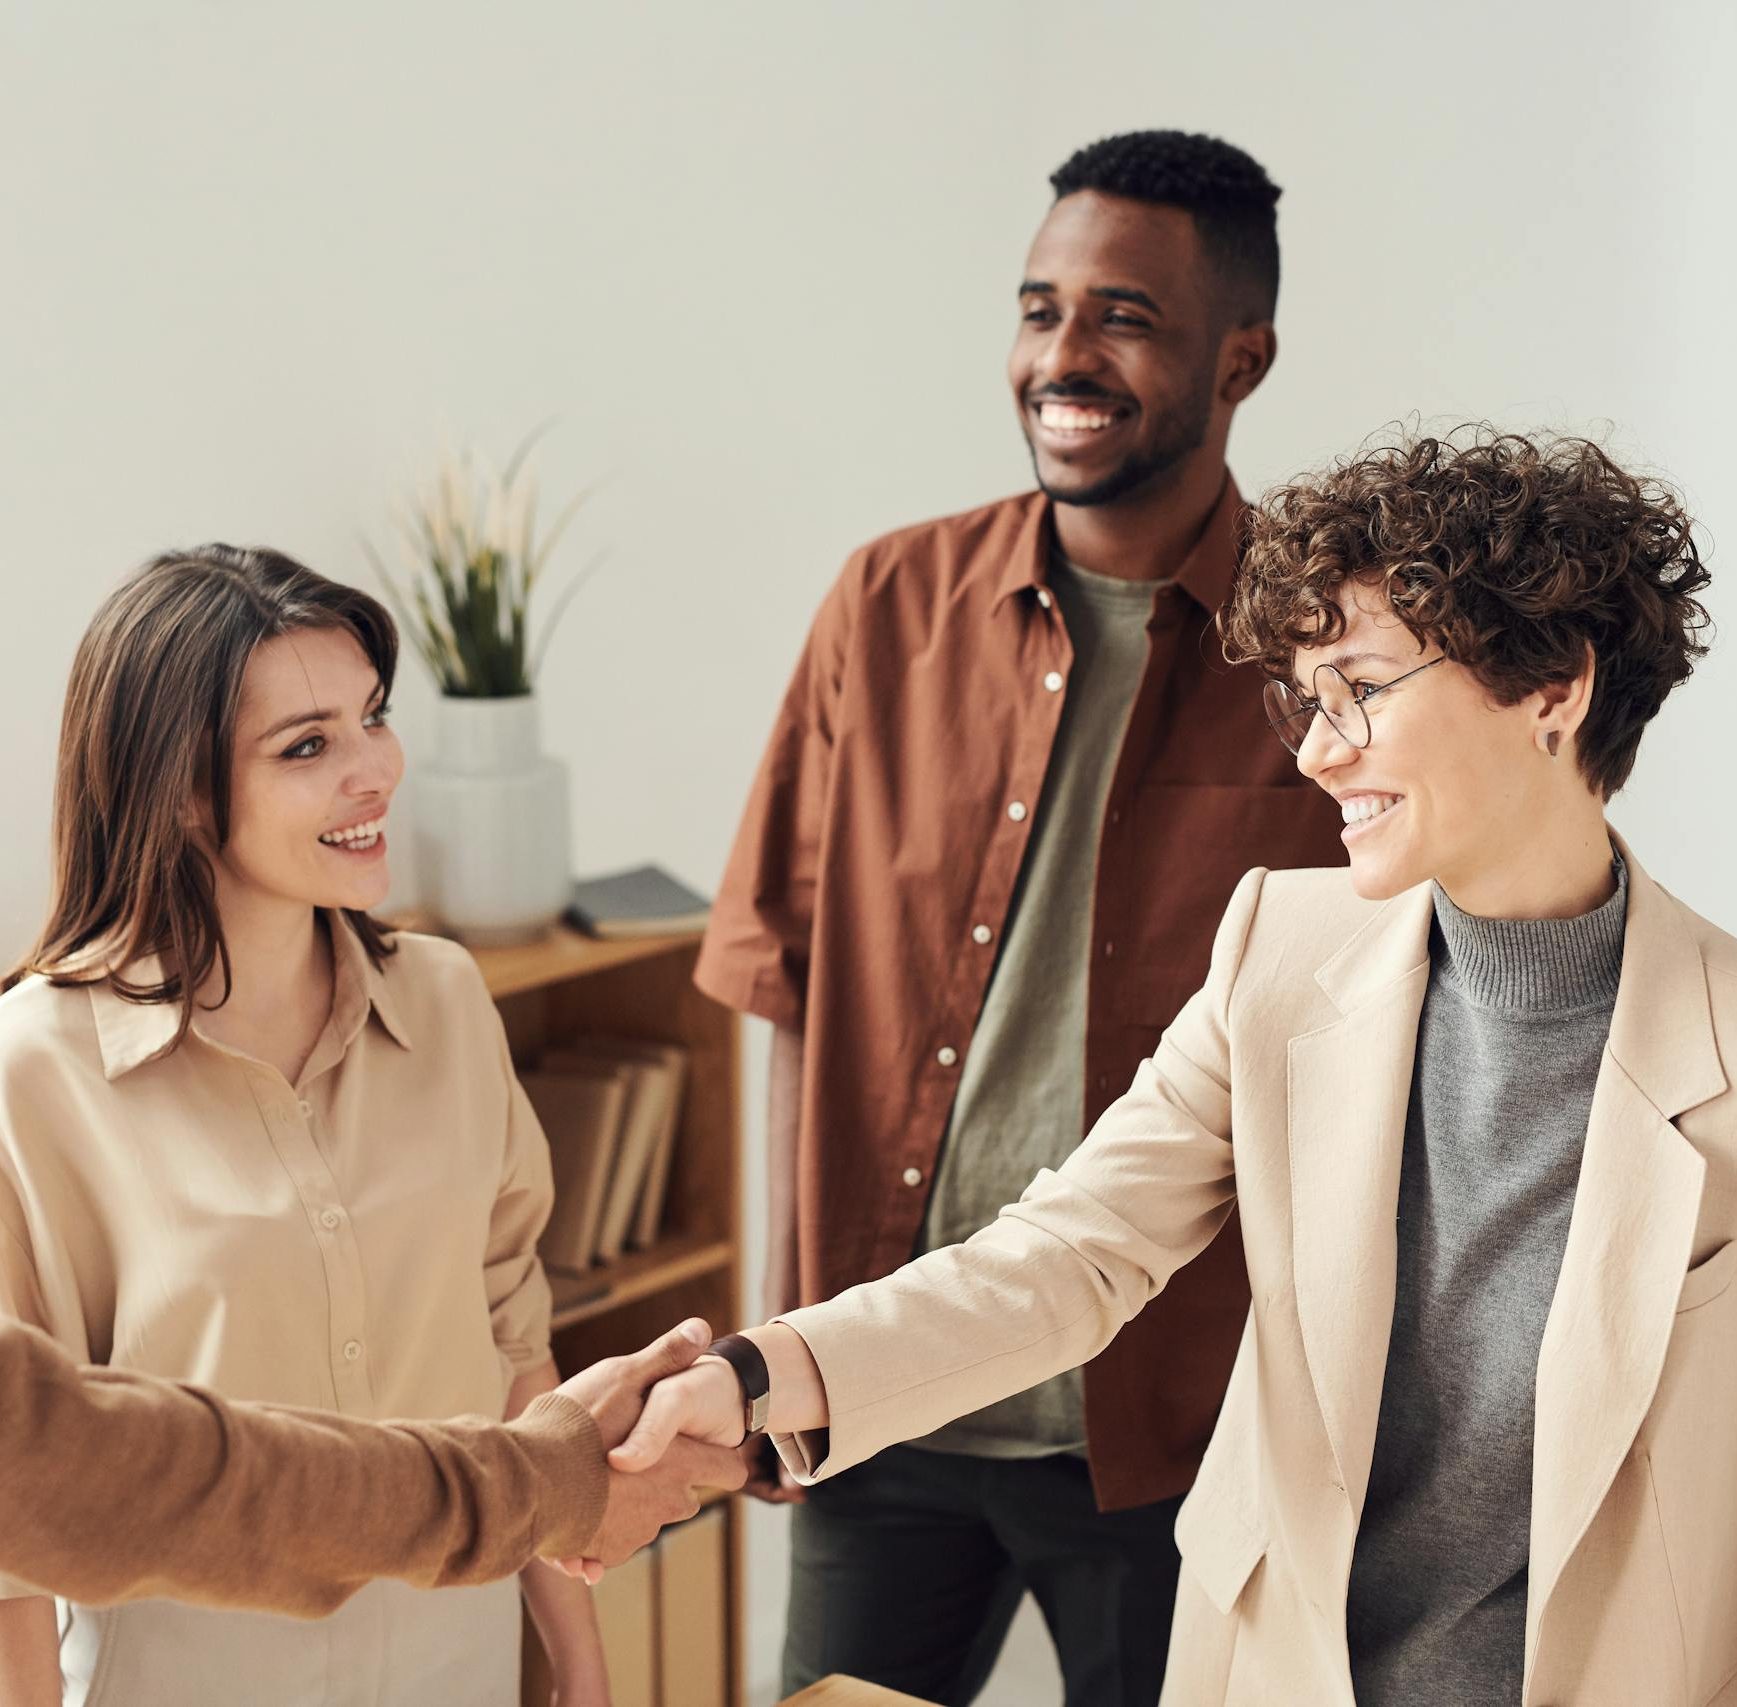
567	954
560	954
580	1297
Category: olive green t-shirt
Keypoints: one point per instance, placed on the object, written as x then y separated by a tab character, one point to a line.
1020	1104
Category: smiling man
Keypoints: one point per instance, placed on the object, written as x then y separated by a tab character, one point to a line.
1009	792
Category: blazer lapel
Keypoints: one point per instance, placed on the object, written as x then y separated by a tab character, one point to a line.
1349	1084
1630	1236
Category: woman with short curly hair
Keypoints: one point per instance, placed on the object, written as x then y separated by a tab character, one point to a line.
1472	1101
1511	558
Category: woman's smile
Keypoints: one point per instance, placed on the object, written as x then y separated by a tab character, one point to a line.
366	840
1363	812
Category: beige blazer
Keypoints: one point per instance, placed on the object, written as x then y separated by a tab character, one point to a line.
1307	1029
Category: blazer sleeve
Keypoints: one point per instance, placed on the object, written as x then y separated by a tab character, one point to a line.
119	1486
1046	1286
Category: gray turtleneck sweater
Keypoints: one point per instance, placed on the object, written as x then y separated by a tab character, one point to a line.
1513	1028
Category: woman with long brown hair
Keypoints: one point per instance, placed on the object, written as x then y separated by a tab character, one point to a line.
250	1138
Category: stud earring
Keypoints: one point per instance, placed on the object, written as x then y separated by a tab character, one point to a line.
1552	741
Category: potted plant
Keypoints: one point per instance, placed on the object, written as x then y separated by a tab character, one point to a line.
492	835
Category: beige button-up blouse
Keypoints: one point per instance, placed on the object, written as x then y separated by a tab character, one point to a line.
363	1241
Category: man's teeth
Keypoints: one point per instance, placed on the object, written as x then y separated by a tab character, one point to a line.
1066	418
1366	806
357	836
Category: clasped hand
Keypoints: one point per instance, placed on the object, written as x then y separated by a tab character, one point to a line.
662	1450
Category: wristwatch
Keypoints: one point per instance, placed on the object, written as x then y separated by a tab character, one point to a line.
744	1357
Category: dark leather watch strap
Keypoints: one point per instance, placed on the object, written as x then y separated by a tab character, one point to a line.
744	1357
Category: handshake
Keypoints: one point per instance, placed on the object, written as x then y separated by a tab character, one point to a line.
670	1426
224	1519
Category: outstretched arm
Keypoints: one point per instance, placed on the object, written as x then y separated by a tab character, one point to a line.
119	1486
1042	1289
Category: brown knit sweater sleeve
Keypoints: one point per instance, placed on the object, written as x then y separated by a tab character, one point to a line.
116	1487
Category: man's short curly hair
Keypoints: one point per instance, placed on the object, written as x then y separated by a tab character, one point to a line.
1227	191
1513	556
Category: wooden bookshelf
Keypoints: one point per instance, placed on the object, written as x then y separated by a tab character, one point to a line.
639	1274
559	989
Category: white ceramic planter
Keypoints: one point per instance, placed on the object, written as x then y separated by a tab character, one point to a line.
491	823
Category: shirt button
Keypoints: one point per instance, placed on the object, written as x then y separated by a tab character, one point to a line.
1016	811
946	1054
330	1218
981	933
1053	681
1109	950
1043	597
307	1109
352	1350
913	1176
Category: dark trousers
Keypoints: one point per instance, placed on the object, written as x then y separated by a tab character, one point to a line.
907	1571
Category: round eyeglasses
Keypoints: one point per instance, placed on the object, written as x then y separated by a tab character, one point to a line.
1338	699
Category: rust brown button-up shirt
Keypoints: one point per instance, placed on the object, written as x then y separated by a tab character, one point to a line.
873	873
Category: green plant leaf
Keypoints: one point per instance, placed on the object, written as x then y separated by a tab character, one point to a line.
596	561
476	565
527	444
538	555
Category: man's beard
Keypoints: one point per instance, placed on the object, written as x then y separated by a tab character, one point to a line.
1184	431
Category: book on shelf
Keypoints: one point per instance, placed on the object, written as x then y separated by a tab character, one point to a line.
664	1618
626	1607
692	1569
580	1110
645	901
648	1209
654	1074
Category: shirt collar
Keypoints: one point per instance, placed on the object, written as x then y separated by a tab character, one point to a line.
129	1034
1205	574
1027	564
360	986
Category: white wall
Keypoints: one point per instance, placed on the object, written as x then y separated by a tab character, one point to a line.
760	260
